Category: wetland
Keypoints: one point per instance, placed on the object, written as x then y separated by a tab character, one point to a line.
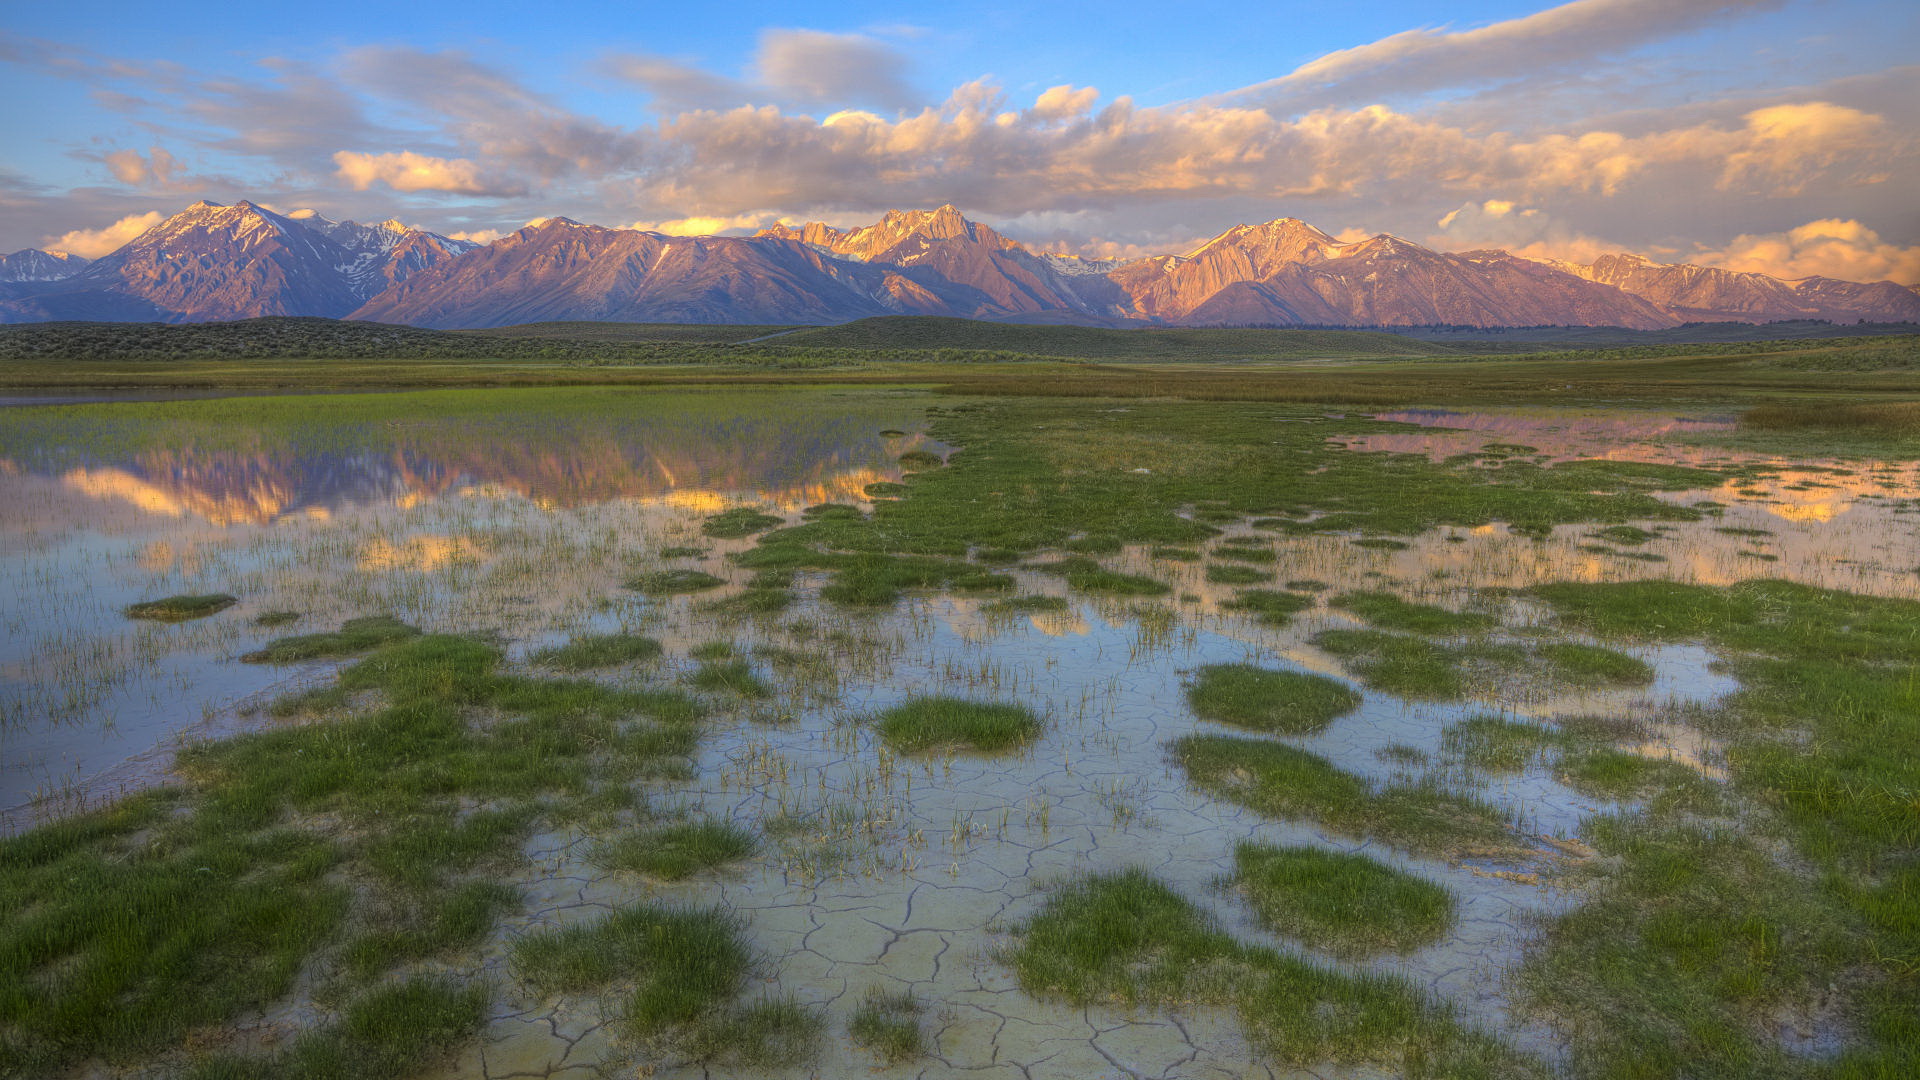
949	727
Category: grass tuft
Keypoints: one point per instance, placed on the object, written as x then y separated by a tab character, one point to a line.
182	608
593	651
1283	702
926	723
672	852
354	636
1347	904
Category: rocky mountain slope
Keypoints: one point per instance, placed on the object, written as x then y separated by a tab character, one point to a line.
242	261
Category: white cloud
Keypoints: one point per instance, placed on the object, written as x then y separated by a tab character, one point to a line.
1832	247
408	171
833	69
93	243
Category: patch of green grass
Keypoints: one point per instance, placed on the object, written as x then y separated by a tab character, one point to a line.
1381	543
1625	534
925	723
591	651
354	636
1176	554
1025	605
1347	904
387	1033
1496	745
672	852
444	920
1236	575
1616	774
272	619
1243	553
1389	612
1086	575
888	1026
674	582
730	677
1270	606
182	608
834	511
884	489
687	962
1409	667
920	459
774	1032
1283	702
1126	938
1578	665
739	522
1286	782
751	601
682	551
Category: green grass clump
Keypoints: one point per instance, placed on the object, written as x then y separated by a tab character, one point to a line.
1286	782
1086	575
1389	612
1409	667
774	1032
1497	745
1270	606
1127	938
682	551
1025	605
592	651
1236	575
182	608
444	920
277	618
739	522
672	852
1617	774
354	636
1176	554
687	962
388	1033
925	723
674	582
734	676
1578	665
1283	702
833	511
888	1026
1243	553
1625	534
920	459
884	489
1347	904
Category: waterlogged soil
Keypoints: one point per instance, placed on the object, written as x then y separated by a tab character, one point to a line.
875	869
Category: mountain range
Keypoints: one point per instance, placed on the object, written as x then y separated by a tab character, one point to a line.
214	262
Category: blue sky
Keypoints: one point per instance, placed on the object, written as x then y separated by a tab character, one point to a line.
1758	133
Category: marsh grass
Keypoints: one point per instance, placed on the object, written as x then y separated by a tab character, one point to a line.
685	963
773	1032
927	723
674	582
1346	904
591	651
1262	699
730	676
1425	670
1286	782
440	921
1126	938
739	522
674	851
887	1025
1025	605
916	460
1237	575
388	1033
181	608
1088	576
272	619
1270	606
1496	745
1389	612
354	636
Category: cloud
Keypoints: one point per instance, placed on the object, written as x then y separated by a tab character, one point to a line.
819	68
1428	59
158	169
712	226
477	236
675	85
408	171
1064	102
93	243
1527	231
1832	247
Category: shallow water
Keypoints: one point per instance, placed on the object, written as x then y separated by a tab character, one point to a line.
524	530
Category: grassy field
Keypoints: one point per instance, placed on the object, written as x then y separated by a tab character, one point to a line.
364	851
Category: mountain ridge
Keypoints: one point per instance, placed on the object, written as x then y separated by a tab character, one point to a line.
214	262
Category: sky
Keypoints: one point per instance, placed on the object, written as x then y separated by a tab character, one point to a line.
1773	135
